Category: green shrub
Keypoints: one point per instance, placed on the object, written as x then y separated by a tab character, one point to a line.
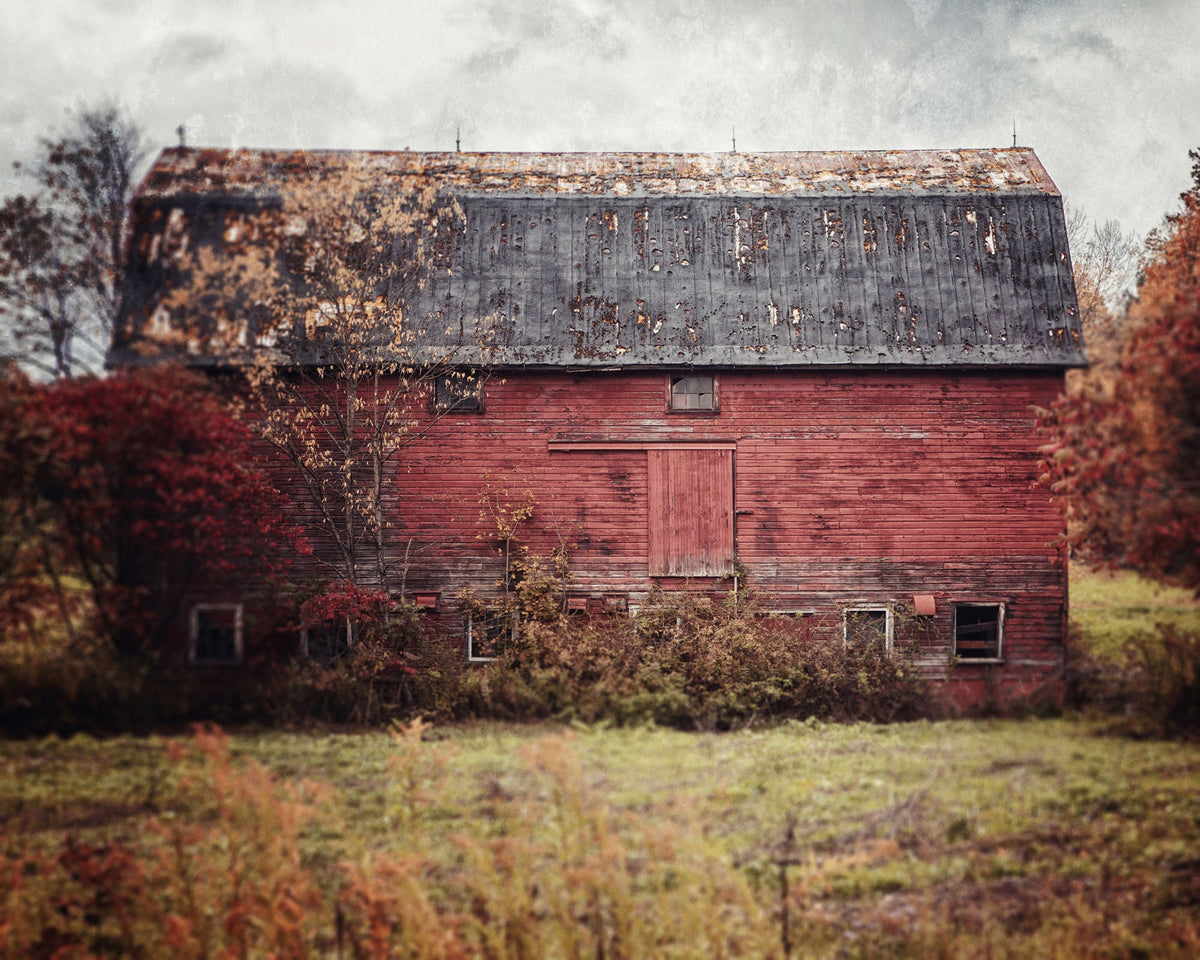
1163	676
686	661
76	684
1153	687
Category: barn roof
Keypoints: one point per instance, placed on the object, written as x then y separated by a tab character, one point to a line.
917	257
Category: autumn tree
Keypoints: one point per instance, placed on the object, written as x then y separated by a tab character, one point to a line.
315	302
1126	451
62	245
128	492
1105	259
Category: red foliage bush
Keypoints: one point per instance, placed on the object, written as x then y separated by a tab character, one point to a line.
344	600
143	477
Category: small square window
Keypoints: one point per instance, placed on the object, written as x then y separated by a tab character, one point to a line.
868	626
327	642
458	392
488	634
215	634
979	631
693	393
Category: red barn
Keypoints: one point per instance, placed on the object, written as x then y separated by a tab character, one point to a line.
814	374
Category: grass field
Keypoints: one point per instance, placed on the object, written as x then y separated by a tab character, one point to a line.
1026	838
999	838
1110	606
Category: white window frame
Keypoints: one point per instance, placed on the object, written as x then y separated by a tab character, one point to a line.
868	607
469	625
1003	614
194	633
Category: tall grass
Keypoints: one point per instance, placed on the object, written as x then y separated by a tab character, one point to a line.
552	862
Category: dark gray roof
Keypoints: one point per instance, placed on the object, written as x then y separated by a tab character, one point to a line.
944	258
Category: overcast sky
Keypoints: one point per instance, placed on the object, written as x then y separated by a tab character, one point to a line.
1106	92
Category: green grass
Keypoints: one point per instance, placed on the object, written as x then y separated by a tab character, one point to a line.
1110	607
954	822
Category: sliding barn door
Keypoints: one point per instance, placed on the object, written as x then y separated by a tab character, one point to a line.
691	512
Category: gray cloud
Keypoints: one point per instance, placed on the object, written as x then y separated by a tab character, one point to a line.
1103	91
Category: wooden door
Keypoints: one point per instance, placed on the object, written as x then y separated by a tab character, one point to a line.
691	512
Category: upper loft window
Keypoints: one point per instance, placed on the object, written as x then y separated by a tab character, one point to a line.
694	394
215	636
979	631
460	392
868	625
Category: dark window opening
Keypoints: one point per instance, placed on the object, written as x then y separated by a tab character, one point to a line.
693	393
216	633
460	392
978	630
327	642
868	626
488	634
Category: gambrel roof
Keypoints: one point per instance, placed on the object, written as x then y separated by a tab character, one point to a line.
952	258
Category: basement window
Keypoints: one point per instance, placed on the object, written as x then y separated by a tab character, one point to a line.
868	625
979	631
327	642
458	392
488	634
694	393
215	634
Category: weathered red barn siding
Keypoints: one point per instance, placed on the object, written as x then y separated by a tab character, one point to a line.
848	486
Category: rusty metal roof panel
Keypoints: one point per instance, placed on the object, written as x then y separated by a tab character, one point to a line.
181	171
944	258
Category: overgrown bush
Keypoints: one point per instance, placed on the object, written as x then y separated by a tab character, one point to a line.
363	671
692	662
65	685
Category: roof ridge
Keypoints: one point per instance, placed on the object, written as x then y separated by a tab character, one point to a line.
187	170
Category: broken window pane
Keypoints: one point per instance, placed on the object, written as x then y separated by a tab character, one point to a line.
488	634
693	393
327	642
977	630
216	633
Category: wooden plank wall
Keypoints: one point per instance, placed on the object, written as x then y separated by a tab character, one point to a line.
848	486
